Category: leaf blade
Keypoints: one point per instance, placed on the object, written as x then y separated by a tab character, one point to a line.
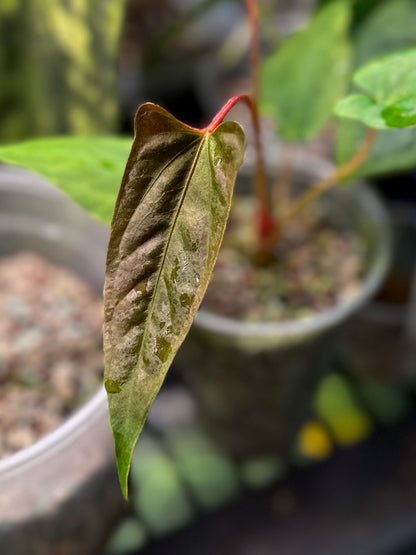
306	76
389	79
168	223
87	169
362	108
388	29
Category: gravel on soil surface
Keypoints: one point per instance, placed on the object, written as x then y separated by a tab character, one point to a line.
50	347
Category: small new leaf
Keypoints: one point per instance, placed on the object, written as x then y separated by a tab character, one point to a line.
390	84
402	113
167	227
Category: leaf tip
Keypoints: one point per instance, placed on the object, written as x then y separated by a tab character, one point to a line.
124	453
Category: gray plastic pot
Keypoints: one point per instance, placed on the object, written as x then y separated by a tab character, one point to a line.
384	333
254	382
61	494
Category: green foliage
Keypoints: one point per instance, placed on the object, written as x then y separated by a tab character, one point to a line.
58	67
362	108
159	497
336	405
208	474
390	79
394	150
168	224
360	8
387	402
129	536
390	102
88	170
307	75
390	28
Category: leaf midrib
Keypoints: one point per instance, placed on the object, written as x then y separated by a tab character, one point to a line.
158	278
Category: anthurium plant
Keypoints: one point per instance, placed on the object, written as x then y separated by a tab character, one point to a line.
175	197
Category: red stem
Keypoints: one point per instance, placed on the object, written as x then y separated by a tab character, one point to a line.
265	220
224	111
255	50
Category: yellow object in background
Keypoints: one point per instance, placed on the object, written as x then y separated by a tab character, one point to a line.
314	441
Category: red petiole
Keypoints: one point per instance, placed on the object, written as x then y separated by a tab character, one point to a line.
265	222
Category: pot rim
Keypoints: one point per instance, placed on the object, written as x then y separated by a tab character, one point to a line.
317	323
74	426
95	408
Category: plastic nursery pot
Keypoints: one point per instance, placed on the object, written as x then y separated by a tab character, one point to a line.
60	495
255	382
384	333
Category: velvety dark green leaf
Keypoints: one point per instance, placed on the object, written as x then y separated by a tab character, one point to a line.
304	78
167	228
402	113
87	169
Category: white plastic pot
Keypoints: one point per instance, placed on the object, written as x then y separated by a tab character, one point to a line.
61	494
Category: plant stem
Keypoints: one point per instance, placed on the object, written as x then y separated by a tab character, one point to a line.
255	50
282	186
340	173
266	223
267	229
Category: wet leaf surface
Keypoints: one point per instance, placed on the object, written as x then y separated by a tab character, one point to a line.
167	228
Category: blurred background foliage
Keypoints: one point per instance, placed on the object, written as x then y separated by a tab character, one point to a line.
58	67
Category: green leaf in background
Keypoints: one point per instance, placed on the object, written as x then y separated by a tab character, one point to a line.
87	169
167	228
304	78
363	108
58	67
402	113
391	102
159	498
360	8
336	405
394	150
207	473
389	79
390	27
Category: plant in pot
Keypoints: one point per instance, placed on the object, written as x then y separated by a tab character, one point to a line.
168	224
269	323
382	334
58	488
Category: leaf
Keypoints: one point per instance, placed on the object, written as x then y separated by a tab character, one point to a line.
393	151
390	27
304	78
389	79
363	108
167	227
402	113
391	86
87	169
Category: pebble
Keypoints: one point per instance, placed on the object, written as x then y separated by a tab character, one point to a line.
50	347
317	266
